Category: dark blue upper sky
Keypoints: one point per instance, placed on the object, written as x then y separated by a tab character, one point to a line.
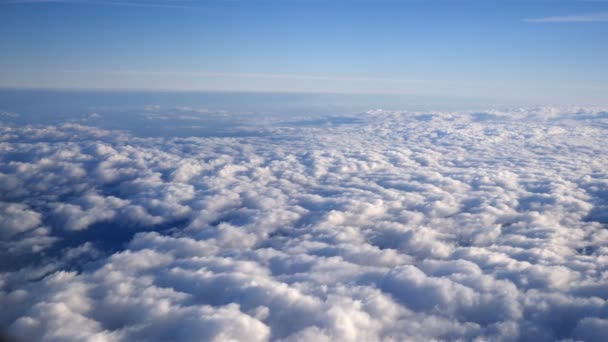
546	51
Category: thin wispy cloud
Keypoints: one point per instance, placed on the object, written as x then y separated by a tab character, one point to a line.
591	17
161	4
16	2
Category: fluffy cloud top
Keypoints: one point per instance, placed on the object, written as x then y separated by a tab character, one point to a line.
394	226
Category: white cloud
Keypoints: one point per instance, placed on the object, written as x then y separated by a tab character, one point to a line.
143	4
16	218
402	226
591	17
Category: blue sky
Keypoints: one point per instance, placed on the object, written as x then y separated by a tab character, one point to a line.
544	51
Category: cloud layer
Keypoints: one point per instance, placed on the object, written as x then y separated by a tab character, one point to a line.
394	226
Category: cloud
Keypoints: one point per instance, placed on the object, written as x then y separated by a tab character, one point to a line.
591	17
145	3
17	218
394	226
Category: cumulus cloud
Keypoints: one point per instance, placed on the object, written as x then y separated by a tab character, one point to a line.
394	226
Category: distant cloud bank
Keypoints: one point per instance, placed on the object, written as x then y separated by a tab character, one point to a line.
393	226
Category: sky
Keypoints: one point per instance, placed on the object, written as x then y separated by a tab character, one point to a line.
550	52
